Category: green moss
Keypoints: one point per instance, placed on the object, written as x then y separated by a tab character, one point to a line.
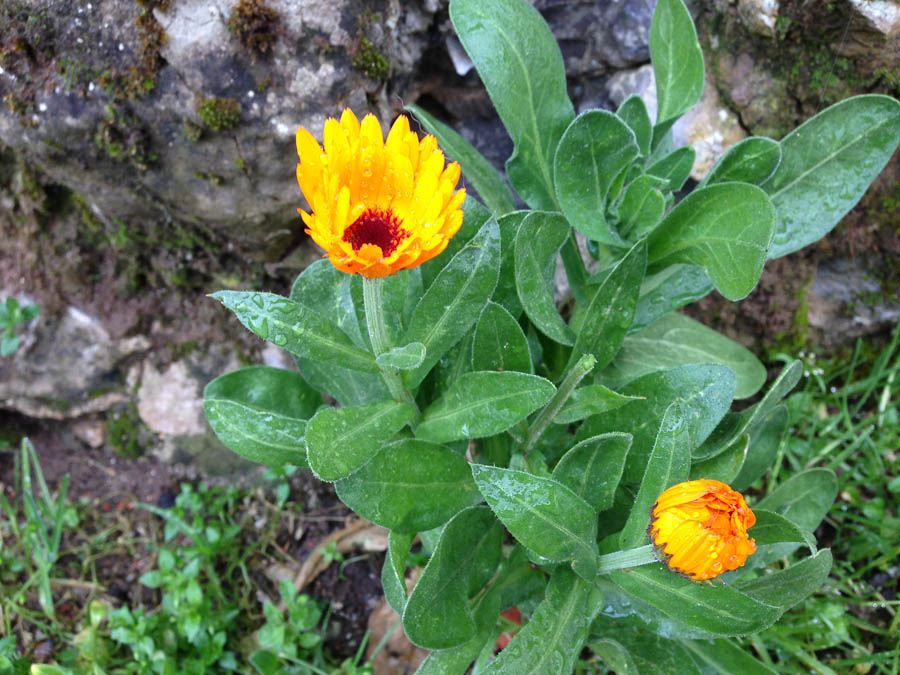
123	429
255	25
122	138
220	113
192	131
370	61
213	178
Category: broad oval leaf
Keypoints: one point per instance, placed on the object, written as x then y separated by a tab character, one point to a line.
803	498
642	207
675	167
677	60
765	438
606	319
543	514
771	528
340	440
406	357
393	571
723	656
499	342
752	160
596	148
437	614
522	69
645	650
827	164
295	327
719	610
483	403
676	340
455	299
551	641
539	238
260	413
704	393
593	468
491	186
725	228
410	486
786	587
506	294
669	464
726	465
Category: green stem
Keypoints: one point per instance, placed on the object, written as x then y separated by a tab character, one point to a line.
633	557
581	368
379	338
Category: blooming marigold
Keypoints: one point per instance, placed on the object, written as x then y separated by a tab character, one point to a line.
701	525
377	206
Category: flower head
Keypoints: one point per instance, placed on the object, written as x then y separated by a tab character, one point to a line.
701	525
377	205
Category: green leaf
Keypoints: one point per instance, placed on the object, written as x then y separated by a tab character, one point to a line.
517	580
325	290
606	319
614	656
340	440
649	652
642	207
752	160
393	571
676	340
596	148
633	112
734	425
538	239
506	293
499	342
437	614
457	659
522	69
803	498
8	345
295	327
667	290
827	164
455	299
593	468
552	640
786	587
771	528
669	463
399	294
675	167
677	60
723	656
704	393
726	465
482	404
725	228
410	486
406	357
260	413
589	400
490	185
543	514
719	610
765	437
475	215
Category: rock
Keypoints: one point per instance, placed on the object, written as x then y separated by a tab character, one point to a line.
709	127
846	303
759	16
91	431
882	15
166	115
69	366
170	401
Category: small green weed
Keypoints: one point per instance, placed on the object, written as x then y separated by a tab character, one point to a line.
11	315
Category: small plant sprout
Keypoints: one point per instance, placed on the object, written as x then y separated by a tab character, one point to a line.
11	315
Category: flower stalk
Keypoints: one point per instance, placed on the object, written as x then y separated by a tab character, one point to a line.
582	367
379	338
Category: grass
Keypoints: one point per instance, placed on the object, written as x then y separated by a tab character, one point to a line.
844	417
202	606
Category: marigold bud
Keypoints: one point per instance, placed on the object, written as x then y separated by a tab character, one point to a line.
701	527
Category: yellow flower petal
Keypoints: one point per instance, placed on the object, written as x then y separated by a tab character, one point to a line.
377	205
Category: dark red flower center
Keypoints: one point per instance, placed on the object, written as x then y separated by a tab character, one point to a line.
378	227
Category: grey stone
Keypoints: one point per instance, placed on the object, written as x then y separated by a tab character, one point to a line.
759	15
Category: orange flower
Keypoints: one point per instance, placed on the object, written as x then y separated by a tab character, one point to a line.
701	525
377	206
